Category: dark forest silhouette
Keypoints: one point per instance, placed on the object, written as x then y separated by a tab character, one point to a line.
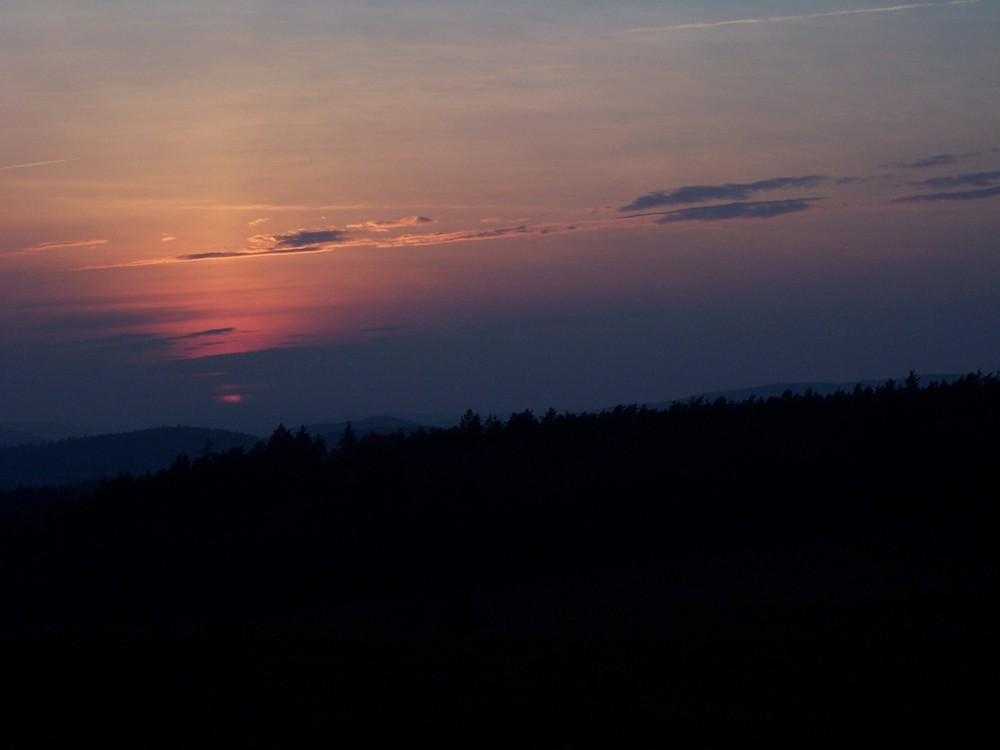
812	542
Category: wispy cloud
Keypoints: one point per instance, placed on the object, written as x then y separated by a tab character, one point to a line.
961	195
300	238
134	343
65	243
729	191
740	210
938	160
40	163
941	160
202	339
298	242
752	209
444	238
57	245
796	17
976	179
145	341
208	332
724	202
222	254
295	242
385	226
987	185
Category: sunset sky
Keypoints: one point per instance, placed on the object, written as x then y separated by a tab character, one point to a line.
237	213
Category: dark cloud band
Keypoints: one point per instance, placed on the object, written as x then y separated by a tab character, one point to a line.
961	195
728	192
941	160
976	179
209	332
251	253
740	210
305	238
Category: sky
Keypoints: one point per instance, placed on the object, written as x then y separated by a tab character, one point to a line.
240	213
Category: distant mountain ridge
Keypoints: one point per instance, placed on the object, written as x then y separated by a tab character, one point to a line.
17	433
32	460
86	459
29	458
17	437
331	432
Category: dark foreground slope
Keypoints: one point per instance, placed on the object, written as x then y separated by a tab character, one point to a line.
805	568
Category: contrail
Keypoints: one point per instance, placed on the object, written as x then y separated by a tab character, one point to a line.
40	163
774	19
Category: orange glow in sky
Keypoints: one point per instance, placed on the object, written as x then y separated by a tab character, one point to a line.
199	181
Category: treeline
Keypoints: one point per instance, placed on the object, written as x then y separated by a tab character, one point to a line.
296	524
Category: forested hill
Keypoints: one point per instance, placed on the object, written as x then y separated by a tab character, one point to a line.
493	501
796	540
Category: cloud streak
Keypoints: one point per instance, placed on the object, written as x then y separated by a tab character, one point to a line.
201	339
296	242
987	184
223	254
57	245
723	202
385	226
797	17
729	191
444	238
208	332
961	195
302	238
941	160
977	179
138	343
40	163
134	343
740	210
938	160
736	210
